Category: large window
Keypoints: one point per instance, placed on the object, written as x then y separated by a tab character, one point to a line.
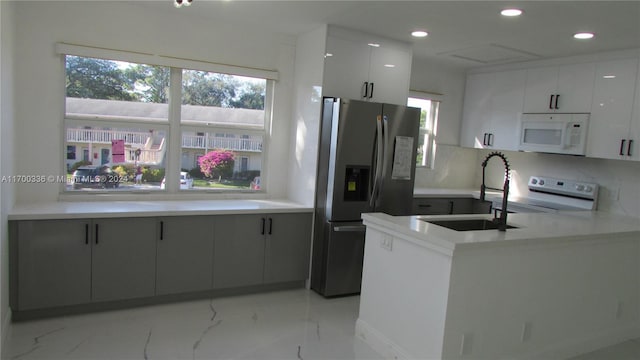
118	124
428	124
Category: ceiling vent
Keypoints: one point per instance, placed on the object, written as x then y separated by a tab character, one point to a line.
491	54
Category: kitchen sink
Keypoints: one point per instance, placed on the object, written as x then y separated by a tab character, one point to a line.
467	224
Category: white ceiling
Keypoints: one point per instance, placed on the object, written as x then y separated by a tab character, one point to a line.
458	30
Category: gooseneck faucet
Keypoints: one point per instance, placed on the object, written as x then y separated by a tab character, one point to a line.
502	222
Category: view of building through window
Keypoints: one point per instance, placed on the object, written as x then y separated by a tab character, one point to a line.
117	124
428	123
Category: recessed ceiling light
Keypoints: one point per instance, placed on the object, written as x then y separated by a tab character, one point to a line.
419	33
511	12
583	35
374	44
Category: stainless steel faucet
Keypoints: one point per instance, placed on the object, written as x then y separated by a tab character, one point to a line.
502	221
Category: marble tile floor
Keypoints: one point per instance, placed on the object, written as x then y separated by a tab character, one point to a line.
294	324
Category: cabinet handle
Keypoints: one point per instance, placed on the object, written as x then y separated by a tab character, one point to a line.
551	102
96	234
424	205
622	146
161	230
366	89
490	138
371	92
484	140
270	225
629	147
86	234
557	98
450	207
262	231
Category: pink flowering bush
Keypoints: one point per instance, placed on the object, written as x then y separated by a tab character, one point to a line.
217	163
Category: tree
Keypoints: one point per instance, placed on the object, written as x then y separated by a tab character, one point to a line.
251	97
97	79
207	89
217	163
153	82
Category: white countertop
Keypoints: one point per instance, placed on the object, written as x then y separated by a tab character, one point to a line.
112	209
443	193
530	227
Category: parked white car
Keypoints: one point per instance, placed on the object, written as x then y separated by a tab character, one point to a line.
186	181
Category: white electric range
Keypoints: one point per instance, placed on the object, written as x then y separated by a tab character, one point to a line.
547	194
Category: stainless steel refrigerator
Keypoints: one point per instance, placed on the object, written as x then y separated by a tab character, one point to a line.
366	163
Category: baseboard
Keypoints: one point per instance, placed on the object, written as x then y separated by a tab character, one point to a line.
379	342
586	344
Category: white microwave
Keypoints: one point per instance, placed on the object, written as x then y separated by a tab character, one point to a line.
554	133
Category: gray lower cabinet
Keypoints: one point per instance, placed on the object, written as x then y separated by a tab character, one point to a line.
52	264
287	248
447	206
55	263
238	255
261	249
123	259
185	254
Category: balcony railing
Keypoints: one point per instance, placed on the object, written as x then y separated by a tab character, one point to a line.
213	142
106	136
139	139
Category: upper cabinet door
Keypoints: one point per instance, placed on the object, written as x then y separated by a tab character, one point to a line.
611	112
575	88
566	89
346	68
492	104
390	74
541	85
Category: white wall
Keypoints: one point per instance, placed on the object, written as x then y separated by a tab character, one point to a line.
6	153
126	26
454	167
309	66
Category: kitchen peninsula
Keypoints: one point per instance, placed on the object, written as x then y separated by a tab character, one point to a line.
555	286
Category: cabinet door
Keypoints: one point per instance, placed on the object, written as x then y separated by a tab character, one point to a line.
123	259
634	128
541	84
575	87
476	119
507	101
492	104
346	68
287	248
185	254
390	72
566	89
238	255
612	108
54	263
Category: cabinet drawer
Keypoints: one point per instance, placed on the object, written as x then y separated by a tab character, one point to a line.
443	206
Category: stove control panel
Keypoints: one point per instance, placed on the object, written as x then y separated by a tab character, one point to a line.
579	189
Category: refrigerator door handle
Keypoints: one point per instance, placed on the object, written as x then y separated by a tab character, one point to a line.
374	191
385	150
350	228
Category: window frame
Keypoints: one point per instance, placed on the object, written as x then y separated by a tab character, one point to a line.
173	125
430	152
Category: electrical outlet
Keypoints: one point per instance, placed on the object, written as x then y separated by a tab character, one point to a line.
387	242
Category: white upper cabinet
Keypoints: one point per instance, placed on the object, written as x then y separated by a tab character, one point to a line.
492	104
363	67
566	89
612	130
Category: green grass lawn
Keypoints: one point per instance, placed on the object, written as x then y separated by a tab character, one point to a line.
225	184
